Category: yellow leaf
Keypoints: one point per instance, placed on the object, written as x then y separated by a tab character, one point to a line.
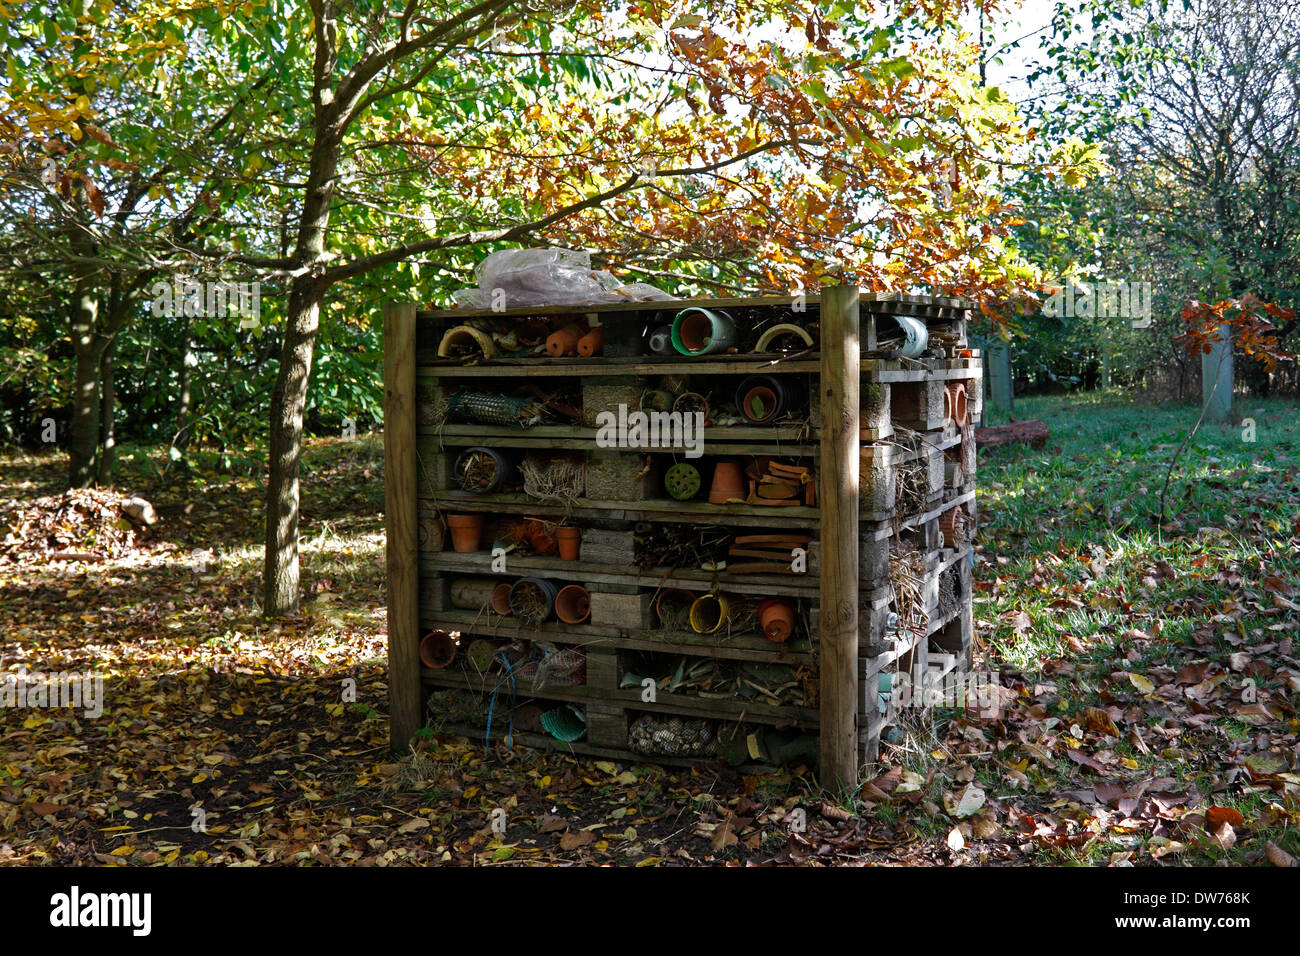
123	851
1141	683
199	778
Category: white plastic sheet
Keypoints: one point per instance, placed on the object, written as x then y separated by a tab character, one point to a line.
518	278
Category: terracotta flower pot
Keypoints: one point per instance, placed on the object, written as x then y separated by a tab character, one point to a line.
776	618
759	403
573	604
437	649
765	398
565	341
532	332
501	599
673	598
466	530
728	482
709	614
593	343
956	403
568	538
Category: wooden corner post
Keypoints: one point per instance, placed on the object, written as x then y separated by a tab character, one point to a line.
837	493
400	517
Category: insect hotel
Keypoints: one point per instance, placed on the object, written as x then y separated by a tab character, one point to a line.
735	530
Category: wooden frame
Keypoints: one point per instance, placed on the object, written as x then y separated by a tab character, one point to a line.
844	596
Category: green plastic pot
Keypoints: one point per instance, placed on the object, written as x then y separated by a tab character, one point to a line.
699	331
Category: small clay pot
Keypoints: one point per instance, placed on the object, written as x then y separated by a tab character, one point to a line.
501	599
565	341
437	649
709	614
728	483
776	617
568	537
573	604
531	332
759	403
466	531
593	343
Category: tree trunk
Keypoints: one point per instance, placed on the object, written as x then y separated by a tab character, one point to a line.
107	408
85	399
288	405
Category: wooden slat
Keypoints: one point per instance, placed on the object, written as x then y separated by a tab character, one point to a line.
401	519
837	493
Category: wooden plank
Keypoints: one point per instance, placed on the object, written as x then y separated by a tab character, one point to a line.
747	364
837	494
401	516
480	562
692	512
873	369
740	647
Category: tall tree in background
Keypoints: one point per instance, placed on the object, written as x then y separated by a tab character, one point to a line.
1199	107
772	146
121	137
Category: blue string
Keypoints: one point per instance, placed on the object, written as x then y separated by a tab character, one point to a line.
510	731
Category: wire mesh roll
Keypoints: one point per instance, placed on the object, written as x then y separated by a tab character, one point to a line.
488	408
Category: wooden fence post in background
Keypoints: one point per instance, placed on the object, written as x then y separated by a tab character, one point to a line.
837	495
400	517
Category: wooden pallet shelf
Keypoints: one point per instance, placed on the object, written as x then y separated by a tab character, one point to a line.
891	421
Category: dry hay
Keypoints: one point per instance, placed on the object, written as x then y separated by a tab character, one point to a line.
556	479
476	471
912	487
529	602
906	582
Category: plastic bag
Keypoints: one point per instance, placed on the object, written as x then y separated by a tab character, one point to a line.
518	278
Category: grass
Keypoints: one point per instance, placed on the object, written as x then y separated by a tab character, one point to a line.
1082	577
